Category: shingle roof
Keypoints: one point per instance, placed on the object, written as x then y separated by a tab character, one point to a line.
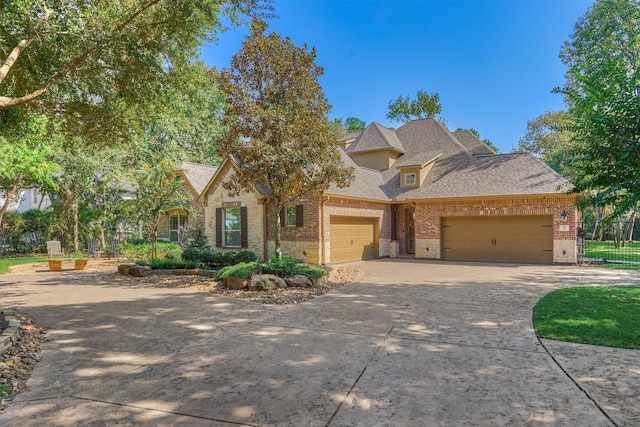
418	160
197	174
456	172
349	137
474	144
367	183
499	175
376	137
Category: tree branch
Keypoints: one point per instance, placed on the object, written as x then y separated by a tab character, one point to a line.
13	56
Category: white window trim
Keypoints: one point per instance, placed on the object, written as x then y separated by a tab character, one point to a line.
406	178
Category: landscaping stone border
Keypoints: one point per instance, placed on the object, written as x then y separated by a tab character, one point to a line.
10	335
142	271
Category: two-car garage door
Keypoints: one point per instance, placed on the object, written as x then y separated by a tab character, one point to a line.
518	239
352	238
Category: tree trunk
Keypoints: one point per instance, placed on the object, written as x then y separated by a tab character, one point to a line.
277	229
12	191
597	225
632	222
76	221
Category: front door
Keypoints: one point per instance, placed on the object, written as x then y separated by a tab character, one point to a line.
410	226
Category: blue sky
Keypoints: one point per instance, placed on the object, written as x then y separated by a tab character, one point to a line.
494	63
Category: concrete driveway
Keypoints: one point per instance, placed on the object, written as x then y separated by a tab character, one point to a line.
411	343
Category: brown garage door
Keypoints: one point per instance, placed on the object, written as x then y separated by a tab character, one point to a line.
518	239
352	239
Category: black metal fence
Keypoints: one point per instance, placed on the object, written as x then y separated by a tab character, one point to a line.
614	244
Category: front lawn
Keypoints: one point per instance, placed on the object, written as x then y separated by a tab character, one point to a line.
597	315
5	263
606	251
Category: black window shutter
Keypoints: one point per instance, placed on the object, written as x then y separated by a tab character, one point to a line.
218	227
244	236
283	217
299	215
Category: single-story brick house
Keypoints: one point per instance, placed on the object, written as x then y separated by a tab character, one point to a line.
419	191
194	177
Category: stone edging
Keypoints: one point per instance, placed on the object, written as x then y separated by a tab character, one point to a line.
10	335
135	270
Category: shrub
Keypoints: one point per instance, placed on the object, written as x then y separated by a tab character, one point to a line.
218	258
171	264
244	270
310	271
245	256
173	254
282	267
193	254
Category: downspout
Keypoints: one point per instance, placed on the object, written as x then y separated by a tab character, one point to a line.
323	255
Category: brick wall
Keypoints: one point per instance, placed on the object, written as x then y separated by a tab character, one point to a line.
428	214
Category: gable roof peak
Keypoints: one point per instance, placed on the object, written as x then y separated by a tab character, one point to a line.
376	137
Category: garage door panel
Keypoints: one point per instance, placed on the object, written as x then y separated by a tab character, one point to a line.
526	239
352	239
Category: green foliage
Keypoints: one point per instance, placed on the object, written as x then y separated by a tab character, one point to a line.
133	251
173	254
310	271
604	105
287	266
276	103
596	315
89	60
354	124
243	270
282	267
548	137
195	235
25	233
423	106
216	259
172	264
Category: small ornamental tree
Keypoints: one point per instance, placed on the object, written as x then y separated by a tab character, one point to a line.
277	122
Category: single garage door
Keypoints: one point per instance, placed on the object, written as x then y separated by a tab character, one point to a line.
517	239
352	238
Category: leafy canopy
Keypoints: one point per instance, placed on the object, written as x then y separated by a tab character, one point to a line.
277	121
423	106
602	93
88	59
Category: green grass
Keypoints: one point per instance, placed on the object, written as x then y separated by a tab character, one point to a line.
597	315
5	263
608	251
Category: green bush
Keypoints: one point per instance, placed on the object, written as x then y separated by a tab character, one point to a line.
310	271
173	254
218	258
171	264
282	267
244	270
143	250
193	254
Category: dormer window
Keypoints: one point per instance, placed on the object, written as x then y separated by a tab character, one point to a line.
409	179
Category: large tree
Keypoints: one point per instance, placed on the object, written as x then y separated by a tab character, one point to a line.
86	59
277	121
548	137
602	93
423	106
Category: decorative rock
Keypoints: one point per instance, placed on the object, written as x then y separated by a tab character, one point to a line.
125	268
266	282
299	281
138	270
235	282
